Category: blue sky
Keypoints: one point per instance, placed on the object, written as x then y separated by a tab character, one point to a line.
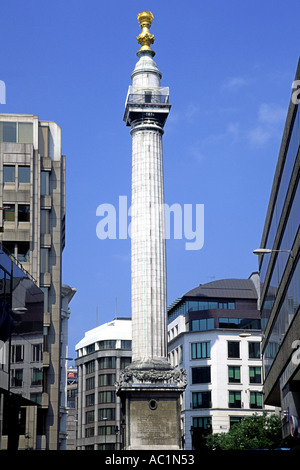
230	67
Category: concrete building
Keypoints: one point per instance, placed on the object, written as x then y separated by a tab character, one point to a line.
32	195
101	356
215	335
280	278
21	359
149	388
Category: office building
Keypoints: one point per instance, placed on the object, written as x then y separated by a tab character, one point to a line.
215	335
280	278
101	356
32	198
21	358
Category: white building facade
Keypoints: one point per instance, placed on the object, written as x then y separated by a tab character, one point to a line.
214	334
101	355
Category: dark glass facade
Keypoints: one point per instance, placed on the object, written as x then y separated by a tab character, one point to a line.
21	333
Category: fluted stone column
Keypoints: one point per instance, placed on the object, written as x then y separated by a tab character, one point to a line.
149	387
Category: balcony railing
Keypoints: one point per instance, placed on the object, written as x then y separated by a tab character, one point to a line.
149	96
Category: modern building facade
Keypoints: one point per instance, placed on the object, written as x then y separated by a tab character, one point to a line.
32	198
21	358
101	356
215	335
280	278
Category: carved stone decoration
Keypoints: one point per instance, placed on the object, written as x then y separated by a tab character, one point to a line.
130	376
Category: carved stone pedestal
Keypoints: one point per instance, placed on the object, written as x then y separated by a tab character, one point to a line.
151	406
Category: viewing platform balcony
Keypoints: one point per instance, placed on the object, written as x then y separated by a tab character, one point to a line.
145	103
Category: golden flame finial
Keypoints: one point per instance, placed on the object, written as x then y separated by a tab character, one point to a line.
145	38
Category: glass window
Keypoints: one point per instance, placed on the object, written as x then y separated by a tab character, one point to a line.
200	350
255	375
24	212
201	399
234	349
9	212
234	374
44	260
107	396
90	383
37	376
90	399
23	252
107	344
254	349
24	174
125	344
90	367
44	221
106	413
200	375
9	131
89	417
25	132
256	400
8	173
235	400
125	361
107	379
107	363
45	187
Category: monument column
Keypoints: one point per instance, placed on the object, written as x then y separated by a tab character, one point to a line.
150	388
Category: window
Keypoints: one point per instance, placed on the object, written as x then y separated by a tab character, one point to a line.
106	414
106	430
90	367
8	131
44	260
125	361
233	349
89	417
90	399
107	344
202	422
107	396
200	375
201	399
25	132
8	173
23	174
23	252
234	374
235	420
200	350
255	375
45	186
37	376
90	383
24	212
235	400
239	323
203	324
17	353
107	379
107	363
21	132
89	432
37	352
9	212
125	344
17	378
255	400
44	221
254	349
91	347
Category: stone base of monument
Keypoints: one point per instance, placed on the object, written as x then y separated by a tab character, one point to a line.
150	393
